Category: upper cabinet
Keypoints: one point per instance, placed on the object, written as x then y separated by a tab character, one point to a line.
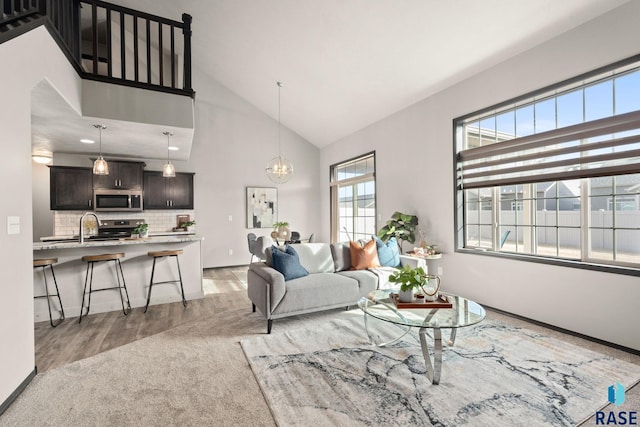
168	193
70	188
122	175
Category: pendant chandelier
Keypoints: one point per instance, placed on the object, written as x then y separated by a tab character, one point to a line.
168	171
100	166
279	169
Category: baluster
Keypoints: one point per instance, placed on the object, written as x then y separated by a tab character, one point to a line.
135	49
94	23
148	51
160	53
173	56
186	19
108	23
123	68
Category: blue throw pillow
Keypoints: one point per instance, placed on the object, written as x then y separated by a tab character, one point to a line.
288	263
388	253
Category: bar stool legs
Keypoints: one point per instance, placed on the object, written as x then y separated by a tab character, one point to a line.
91	260
161	254
44	263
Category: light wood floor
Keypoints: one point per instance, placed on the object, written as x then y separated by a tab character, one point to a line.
100	332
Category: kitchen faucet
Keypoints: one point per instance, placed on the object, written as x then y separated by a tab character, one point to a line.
82	224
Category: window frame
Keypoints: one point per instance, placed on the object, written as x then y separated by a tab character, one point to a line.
335	184
460	206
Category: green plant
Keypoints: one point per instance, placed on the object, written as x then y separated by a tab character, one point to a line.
277	225
409	278
187	224
400	226
140	228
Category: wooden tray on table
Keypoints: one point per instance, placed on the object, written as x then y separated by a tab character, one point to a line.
441	302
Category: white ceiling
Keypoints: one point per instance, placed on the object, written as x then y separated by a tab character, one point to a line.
346	64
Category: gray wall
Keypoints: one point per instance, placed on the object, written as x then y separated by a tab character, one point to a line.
567	297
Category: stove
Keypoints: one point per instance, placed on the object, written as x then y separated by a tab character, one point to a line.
116	228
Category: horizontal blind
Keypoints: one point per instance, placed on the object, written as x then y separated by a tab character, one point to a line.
604	147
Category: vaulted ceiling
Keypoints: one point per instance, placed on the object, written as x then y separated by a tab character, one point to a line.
346	64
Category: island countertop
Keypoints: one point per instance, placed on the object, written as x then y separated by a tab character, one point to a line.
71	244
71	271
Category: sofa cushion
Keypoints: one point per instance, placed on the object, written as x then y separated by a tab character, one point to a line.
341	256
367	280
388	253
315	257
363	256
288	263
317	290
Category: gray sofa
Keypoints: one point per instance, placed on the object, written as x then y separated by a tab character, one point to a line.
330	283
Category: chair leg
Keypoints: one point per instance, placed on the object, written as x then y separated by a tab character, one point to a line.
84	290
253	306
269	324
124	285
153	270
46	291
55	283
184	300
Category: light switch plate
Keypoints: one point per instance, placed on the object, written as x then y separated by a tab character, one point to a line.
13	225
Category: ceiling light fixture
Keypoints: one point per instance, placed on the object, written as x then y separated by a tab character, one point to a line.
168	171
279	169
100	166
43	158
87	141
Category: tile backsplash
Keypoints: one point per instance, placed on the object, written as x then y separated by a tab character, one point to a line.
66	223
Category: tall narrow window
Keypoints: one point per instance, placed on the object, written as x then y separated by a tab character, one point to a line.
353	199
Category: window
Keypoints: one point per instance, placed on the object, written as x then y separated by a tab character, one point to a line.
353	199
555	175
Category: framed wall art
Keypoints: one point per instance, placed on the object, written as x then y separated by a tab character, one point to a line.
262	207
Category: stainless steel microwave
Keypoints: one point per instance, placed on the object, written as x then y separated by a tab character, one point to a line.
117	200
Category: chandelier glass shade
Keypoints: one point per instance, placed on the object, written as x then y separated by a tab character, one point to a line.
279	169
100	166
168	170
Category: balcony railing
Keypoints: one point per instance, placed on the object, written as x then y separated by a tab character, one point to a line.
111	43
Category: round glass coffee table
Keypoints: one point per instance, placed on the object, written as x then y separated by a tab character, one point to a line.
380	305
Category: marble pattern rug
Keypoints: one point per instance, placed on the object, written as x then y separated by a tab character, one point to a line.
495	375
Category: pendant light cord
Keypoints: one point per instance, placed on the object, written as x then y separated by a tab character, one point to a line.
279	125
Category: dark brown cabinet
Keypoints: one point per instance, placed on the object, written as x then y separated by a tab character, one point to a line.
168	193
122	175
70	188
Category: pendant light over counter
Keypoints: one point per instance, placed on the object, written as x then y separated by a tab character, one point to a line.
279	169
168	171
100	166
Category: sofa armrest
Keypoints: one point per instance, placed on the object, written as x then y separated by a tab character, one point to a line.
413	262
265	287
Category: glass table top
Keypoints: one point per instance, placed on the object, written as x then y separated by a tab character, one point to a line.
463	313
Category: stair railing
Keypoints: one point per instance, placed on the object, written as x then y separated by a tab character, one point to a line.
111	43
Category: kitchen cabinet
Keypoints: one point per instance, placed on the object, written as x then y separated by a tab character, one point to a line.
70	188
168	193
122	175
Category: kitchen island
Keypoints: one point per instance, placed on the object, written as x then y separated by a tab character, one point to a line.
70	272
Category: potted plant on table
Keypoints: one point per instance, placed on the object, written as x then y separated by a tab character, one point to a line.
142	230
412	279
281	230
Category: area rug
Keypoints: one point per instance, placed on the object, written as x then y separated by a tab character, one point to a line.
496	375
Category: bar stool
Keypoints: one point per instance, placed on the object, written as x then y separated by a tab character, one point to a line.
161	254
44	263
91	260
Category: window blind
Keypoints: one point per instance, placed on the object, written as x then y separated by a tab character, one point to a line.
604	147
